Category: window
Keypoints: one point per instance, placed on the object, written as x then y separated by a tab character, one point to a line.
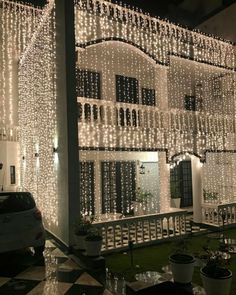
190	103
13	174
148	97
88	84
118	186
181	182
126	89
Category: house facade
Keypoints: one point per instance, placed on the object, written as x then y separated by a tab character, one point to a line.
156	108
155	115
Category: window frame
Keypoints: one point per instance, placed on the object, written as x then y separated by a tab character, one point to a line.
90	88
145	99
125	90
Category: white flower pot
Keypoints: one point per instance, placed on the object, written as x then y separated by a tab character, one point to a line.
93	248
175	203
220	286
139	208
79	241
182	267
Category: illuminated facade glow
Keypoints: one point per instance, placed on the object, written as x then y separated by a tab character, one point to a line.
149	93
193	78
37	116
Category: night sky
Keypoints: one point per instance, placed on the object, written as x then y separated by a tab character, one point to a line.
166	9
152	6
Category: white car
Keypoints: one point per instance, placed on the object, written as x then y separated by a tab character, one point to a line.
20	223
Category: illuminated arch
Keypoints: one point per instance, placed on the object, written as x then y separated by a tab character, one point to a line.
133	46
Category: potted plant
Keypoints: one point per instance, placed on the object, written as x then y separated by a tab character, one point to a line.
141	201
175	194
215	275
81	229
93	242
182	263
210	196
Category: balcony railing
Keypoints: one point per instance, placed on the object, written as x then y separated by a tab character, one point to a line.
142	230
135	115
9	133
150	127
219	214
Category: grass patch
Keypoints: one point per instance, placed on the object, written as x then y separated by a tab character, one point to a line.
153	258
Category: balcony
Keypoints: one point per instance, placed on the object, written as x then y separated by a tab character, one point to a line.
132	126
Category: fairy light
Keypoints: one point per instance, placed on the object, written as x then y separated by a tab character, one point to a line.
37	116
197	64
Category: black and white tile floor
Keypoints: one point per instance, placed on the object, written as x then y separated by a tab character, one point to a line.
54	274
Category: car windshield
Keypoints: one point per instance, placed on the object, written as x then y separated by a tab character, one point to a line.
15	202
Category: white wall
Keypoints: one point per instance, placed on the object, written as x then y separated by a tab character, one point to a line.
9	156
185	75
196	188
219	175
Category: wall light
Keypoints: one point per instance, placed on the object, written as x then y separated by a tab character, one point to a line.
142	169
55	150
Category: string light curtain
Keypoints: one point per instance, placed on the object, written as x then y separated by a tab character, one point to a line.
198	112
37	116
17	24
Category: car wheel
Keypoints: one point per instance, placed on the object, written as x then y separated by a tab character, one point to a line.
38	251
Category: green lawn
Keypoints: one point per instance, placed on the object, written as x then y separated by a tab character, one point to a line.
153	258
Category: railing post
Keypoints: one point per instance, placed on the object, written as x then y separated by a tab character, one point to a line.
149	231
156	232
161	227
114	236
168	226
173	221
121	232
143	234
106	237
184	218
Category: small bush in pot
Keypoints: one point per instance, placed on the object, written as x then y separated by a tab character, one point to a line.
140	205
81	229
175	194
216	276
93	242
182	263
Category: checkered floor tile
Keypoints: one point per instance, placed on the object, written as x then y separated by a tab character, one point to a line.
22	273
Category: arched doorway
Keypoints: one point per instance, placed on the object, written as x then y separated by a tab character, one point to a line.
181	183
